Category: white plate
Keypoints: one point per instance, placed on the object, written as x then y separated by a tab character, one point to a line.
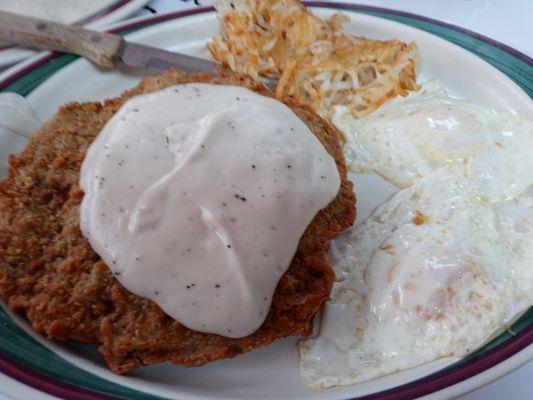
105	11
270	372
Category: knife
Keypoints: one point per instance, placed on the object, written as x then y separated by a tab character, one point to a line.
102	48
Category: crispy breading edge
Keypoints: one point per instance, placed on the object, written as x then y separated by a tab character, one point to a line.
49	272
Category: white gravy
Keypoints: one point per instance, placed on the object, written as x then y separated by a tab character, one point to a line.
196	197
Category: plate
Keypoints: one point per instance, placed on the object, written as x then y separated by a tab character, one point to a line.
104	12
77	372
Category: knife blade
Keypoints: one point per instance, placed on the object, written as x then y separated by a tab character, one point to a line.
141	56
103	48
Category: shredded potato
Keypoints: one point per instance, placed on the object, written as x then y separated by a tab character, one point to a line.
313	61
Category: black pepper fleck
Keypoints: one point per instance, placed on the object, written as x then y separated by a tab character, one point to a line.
217	285
240	197
228	246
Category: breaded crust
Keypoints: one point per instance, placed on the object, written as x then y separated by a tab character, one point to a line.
49	272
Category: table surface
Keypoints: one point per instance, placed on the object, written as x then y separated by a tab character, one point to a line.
506	21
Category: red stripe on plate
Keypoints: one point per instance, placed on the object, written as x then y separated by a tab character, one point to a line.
106	11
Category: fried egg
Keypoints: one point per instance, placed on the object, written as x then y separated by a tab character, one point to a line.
434	272
441	258
409	137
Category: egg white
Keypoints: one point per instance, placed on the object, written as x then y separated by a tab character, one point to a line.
410	137
446	261
434	272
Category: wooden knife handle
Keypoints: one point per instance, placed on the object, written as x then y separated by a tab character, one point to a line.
102	48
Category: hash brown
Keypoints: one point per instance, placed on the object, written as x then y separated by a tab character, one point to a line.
313	60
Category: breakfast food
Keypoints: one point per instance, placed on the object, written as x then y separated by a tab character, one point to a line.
426	279
438	261
445	262
438	264
241	196
409	137
49	271
313	60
